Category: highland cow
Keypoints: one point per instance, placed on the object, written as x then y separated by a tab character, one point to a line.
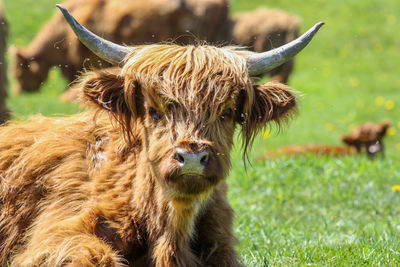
4	113
264	29
139	178
367	136
129	22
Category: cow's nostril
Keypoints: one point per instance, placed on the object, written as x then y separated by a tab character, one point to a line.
204	159
179	157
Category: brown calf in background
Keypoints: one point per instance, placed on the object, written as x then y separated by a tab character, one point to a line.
366	137
369	137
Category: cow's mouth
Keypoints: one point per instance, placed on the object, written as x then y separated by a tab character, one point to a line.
190	175
192	183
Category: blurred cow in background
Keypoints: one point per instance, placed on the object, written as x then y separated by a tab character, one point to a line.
132	22
367	136
4	113
264	29
129	22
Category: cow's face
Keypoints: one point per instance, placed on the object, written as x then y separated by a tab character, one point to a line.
29	74
189	100
190	136
189	147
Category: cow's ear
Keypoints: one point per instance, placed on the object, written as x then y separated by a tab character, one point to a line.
272	101
105	89
108	90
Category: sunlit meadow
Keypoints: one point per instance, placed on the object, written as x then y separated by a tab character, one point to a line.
309	210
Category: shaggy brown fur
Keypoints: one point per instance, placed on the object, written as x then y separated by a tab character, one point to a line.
264	29
368	136
4	113
106	188
128	22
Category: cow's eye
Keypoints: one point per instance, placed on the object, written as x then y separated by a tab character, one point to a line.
227	114
155	115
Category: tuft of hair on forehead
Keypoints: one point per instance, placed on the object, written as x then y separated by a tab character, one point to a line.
192	76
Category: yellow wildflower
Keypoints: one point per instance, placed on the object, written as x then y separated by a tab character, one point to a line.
396	188
266	134
379	101
389	105
391	131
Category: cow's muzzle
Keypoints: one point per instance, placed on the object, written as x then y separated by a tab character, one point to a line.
191	167
192	157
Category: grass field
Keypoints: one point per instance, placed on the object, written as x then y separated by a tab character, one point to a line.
308	210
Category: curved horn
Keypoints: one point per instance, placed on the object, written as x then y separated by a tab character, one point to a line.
104	49
263	62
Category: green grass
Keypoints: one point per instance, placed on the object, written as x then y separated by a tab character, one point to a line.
318	211
308	210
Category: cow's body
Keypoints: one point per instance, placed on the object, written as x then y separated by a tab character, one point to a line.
3	67
309	150
102	188
75	191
